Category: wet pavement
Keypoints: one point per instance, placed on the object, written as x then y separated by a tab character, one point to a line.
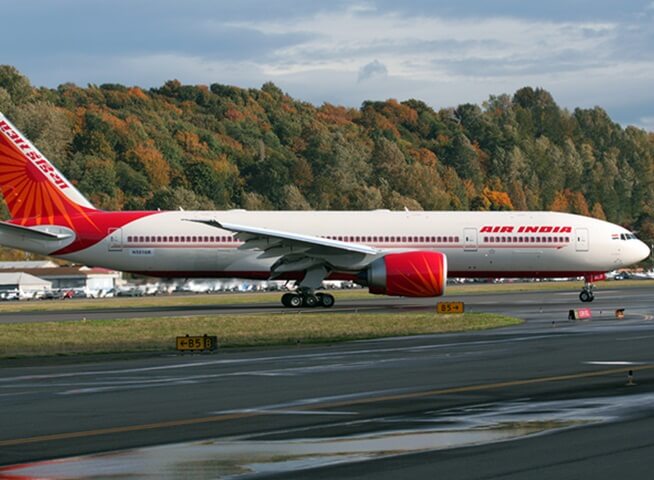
249	456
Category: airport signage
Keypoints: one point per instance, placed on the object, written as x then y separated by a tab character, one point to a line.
580	314
196	344
449	307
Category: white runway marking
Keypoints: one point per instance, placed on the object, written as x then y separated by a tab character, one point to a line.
228	362
627	339
284	412
614	363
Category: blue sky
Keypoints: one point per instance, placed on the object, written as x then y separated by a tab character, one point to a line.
584	52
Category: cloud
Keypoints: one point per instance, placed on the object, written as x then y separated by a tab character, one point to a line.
429	47
372	69
444	53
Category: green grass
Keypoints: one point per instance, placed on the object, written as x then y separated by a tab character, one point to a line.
158	334
273	297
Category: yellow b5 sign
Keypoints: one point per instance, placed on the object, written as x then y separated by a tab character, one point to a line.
449	307
197	343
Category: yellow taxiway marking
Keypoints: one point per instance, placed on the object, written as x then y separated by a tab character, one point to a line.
319	406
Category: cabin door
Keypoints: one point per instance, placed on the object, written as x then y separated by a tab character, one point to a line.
470	239
115	239
581	239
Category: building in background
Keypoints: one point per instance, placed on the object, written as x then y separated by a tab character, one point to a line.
18	285
90	279
26	265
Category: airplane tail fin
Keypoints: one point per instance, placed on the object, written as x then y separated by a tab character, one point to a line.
36	192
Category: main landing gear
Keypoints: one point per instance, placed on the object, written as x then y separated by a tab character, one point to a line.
586	294
307	298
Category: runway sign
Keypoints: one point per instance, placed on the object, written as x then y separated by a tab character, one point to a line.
580	314
205	342
449	307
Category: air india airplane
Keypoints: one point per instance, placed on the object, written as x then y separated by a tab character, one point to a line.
392	253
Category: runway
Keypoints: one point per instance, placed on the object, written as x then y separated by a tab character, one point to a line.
527	305
547	399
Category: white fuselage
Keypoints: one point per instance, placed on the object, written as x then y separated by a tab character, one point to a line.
477	244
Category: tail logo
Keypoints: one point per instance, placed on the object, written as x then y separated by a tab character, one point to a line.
33	155
35	191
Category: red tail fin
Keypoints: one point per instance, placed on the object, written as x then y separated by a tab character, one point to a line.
35	191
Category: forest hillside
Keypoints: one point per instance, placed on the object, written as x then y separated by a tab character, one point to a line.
219	147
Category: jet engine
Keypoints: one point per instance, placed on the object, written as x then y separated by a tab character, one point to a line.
408	274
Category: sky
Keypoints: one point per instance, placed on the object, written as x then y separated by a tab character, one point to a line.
585	52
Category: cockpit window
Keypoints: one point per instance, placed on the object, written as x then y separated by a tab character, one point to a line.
627	236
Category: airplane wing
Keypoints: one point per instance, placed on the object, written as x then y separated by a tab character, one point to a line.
295	252
31	233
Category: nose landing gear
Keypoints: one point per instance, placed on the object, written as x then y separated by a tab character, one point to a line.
586	294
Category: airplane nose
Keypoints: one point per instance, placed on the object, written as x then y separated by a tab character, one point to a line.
642	250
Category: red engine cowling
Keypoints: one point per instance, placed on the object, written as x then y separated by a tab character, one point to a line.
408	274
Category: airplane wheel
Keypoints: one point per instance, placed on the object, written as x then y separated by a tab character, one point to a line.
294	301
585	296
286	299
326	300
310	301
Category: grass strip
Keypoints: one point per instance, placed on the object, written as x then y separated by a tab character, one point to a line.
274	297
158	334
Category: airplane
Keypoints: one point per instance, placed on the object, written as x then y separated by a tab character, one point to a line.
397	253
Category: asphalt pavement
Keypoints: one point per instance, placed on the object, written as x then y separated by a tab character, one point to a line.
551	398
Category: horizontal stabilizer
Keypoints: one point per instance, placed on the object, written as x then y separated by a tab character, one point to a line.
32	233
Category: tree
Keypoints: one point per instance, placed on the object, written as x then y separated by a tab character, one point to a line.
14	83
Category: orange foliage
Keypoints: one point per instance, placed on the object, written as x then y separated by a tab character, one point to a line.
224	166
154	164
400	113
171	107
191	143
119	125
469	186
560	203
299	145
334	115
481	155
188	106
383	123
569	201
425	156
578	203
288	108
78	120
498	200
234	115
442	139
598	211
138	93
229	141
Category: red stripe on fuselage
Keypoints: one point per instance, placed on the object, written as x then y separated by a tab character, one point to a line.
90	228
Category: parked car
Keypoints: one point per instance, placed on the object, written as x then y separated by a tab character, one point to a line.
53	295
130	292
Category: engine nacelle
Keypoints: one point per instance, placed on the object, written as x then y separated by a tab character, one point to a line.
408	274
